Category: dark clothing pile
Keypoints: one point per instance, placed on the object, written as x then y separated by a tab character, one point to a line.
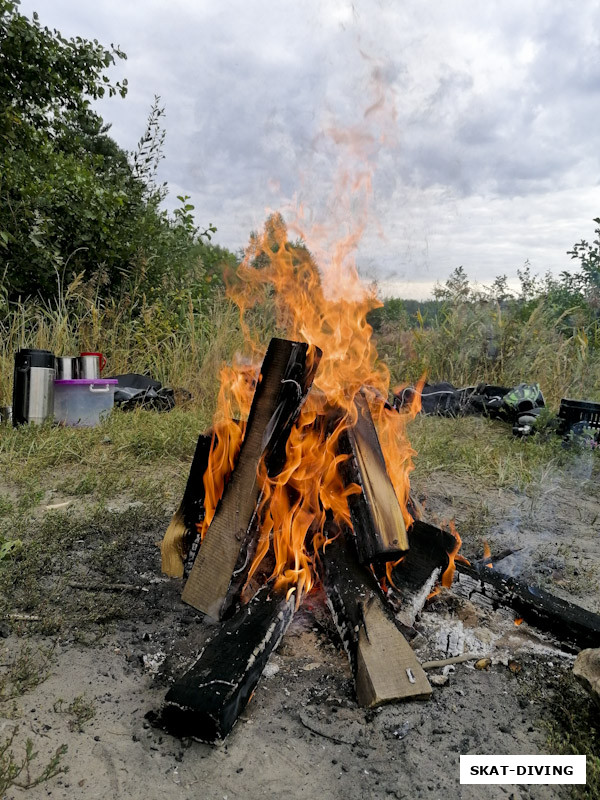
519	405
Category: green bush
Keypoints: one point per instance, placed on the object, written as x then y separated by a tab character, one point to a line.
72	202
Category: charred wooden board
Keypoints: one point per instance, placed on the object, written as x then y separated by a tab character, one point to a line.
384	666
567	622
207	700
420	569
182	529
376	514
285	377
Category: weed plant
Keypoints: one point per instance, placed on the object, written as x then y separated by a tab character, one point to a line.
16	770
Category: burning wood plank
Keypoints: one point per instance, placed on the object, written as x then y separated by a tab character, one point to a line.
415	577
207	700
566	621
286	375
376	515
182	528
384	665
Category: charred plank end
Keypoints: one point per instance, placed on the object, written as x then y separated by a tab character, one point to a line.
182	527
376	515
281	389
422	566
206	701
569	623
384	666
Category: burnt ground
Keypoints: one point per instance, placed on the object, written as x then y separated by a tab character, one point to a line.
302	735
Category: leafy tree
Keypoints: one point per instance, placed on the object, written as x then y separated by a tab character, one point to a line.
45	79
71	200
588	280
529	283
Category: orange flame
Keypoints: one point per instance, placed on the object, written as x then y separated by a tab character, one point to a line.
325	306
518	620
389	566
453	558
294	505
448	575
487	554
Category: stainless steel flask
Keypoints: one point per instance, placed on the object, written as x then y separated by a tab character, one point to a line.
33	388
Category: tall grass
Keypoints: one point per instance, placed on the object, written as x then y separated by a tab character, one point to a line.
180	341
473	342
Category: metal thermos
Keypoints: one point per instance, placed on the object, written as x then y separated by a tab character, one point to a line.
67	368
33	388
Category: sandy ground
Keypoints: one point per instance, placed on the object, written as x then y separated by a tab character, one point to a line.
302	735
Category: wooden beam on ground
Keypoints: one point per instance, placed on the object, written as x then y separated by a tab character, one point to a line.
384	666
207	700
285	377
567	622
376	515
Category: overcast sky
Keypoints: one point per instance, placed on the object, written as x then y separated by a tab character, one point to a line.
478	121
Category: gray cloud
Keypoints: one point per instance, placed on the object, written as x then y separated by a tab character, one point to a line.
490	157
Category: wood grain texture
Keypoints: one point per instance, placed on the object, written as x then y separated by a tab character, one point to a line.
384	666
574	626
376	515
182	526
281	388
207	700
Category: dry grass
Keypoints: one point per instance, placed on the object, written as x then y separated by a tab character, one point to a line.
478	343
476	446
180	344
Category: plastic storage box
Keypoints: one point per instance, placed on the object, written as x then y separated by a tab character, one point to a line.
83	402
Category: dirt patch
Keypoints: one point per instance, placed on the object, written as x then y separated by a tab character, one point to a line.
553	526
112	654
302	734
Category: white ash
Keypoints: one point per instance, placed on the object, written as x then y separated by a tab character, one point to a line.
493	635
154	661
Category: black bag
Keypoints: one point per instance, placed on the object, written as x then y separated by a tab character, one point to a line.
134	391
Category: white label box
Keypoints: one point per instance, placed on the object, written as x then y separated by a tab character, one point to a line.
522	769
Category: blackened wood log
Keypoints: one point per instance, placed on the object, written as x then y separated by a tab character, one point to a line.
243	562
567	622
376	514
181	532
286	375
207	700
414	578
384	666
497	557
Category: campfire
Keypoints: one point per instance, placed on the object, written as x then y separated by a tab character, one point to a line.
303	482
